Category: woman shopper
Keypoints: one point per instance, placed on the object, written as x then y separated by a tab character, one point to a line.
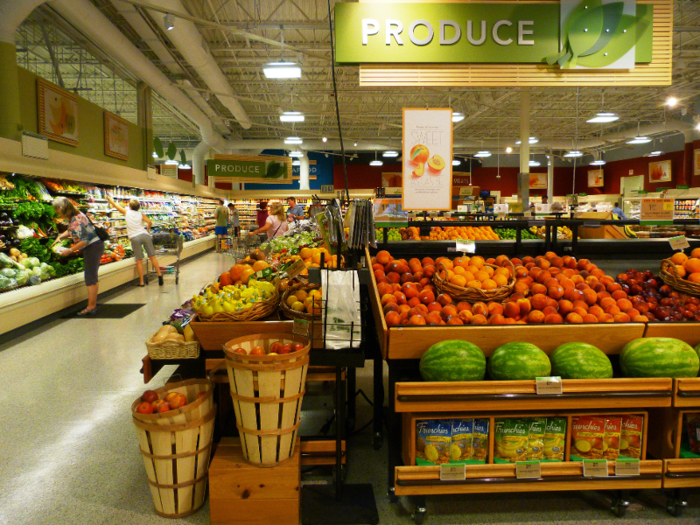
276	223
262	213
139	236
235	219
221	226
82	231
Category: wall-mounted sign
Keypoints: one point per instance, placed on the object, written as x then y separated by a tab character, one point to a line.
461	179
538	181
116	136
575	33
660	171
168	170
58	113
427	159
595	178
391	180
327	188
696	167
246	168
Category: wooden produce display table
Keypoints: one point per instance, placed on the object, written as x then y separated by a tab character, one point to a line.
244	494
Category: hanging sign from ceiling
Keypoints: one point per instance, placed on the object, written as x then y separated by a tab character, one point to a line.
427	159
247	168
573	34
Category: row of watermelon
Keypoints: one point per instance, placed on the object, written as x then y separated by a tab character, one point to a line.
457	360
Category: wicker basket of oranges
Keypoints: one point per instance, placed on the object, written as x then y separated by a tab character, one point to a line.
682	273
302	301
472	279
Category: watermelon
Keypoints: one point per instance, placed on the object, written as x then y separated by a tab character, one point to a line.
453	360
513	361
659	357
580	361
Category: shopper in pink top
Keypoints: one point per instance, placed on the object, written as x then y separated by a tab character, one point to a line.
276	223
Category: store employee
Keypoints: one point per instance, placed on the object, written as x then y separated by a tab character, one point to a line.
618	211
294	211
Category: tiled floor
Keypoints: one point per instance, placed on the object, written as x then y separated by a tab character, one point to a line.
69	455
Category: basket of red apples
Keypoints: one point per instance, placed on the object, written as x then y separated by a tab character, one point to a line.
175	403
267	375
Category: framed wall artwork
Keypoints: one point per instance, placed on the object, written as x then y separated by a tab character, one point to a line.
595	178
660	171
58	113
696	164
116	136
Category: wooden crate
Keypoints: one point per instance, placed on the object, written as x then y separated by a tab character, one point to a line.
521	395
688	332
242	494
212	336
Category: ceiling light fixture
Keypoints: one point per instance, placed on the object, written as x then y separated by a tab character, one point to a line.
293	140
603	118
533	140
574	154
599	162
456	162
355	144
390	154
169	21
534	163
324	139
296	163
509	150
376	161
482	154
639	140
296	154
155	155
292	116
171	162
282	70
671	102
457	116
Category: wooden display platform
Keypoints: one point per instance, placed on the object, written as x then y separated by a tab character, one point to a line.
244	494
681	473
688	332
413	481
521	395
686	392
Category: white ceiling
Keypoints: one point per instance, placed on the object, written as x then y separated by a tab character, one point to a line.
233	30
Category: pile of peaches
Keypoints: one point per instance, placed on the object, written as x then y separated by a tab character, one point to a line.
548	290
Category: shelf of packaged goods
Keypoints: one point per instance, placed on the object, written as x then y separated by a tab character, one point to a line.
593	394
490	478
681	473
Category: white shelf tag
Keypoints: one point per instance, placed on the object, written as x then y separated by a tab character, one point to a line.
627	467
679	243
465	246
453	472
550	386
528	469
595	468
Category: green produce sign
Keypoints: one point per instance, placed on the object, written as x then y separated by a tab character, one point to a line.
275	170
575	33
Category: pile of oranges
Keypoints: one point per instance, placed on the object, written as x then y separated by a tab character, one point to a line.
473	272
450	233
688	268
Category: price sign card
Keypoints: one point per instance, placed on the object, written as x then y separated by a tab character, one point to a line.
528	469
627	467
595	468
465	246
301	327
679	243
548	385
657	211
295	269
453	472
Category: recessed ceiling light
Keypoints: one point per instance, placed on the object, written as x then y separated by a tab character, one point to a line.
603	118
573	154
376	162
457	116
639	140
390	153
509	150
283	69
296	154
292	116
482	154
456	162
293	140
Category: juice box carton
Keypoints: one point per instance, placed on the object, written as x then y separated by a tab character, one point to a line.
555	439
433	440
462	434
511	440
631	436
611	442
535	442
480	441
587	434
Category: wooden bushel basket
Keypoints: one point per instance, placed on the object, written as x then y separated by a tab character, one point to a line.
196	407
176	457
267	391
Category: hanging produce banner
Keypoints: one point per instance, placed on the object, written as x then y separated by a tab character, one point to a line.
657	211
247	168
427	159
569	34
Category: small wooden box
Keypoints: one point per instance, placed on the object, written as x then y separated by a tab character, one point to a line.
243	494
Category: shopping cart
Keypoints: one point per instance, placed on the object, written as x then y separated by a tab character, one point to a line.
167	242
241	247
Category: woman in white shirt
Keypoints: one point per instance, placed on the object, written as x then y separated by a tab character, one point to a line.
275	224
139	236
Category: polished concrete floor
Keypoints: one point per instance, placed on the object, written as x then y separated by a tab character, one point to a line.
68	449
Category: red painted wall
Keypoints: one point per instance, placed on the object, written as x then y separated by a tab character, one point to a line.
614	171
362	176
486	179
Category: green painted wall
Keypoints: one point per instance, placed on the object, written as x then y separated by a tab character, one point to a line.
91	142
